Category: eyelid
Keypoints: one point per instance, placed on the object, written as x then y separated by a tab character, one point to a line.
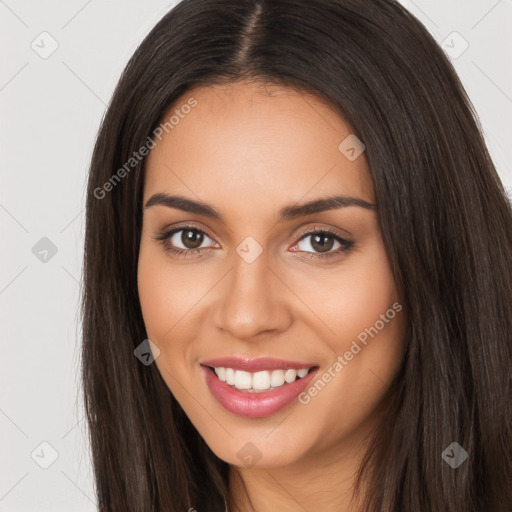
324	229
166	233
306	231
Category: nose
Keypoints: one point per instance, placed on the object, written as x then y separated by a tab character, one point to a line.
252	301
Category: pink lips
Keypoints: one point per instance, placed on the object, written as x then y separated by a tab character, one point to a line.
255	405
255	365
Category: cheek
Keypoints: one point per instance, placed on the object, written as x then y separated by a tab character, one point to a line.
156	299
161	305
166	301
165	291
352	296
368	292
366	322
172	298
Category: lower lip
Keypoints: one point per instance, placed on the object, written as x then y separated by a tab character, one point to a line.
255	405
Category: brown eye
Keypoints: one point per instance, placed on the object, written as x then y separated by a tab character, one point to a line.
322	244
185	241
191	239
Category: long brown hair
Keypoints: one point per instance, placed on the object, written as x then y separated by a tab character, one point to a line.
445	220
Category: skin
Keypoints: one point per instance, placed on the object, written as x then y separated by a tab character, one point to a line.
249	150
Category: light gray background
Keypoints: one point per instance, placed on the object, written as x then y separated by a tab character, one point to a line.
50	112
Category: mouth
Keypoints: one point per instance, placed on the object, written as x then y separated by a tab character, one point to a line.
258	382
269	387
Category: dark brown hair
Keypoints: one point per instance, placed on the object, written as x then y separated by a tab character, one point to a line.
445	220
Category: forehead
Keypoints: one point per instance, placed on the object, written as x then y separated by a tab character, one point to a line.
249	143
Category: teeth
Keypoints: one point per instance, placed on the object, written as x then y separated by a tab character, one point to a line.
290	375
230	376
221	373
243	380
277	378
258	381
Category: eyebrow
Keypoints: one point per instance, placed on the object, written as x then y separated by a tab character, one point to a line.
287	213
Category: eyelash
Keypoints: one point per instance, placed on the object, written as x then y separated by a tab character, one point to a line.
166	235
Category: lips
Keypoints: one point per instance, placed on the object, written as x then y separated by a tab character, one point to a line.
255	365
262	403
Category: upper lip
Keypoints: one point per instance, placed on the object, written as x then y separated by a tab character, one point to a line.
255	365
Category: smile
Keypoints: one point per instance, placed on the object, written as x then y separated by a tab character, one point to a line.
258	381
269	387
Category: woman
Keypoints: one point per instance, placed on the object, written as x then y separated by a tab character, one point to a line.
297	270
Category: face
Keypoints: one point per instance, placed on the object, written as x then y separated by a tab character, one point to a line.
294	305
